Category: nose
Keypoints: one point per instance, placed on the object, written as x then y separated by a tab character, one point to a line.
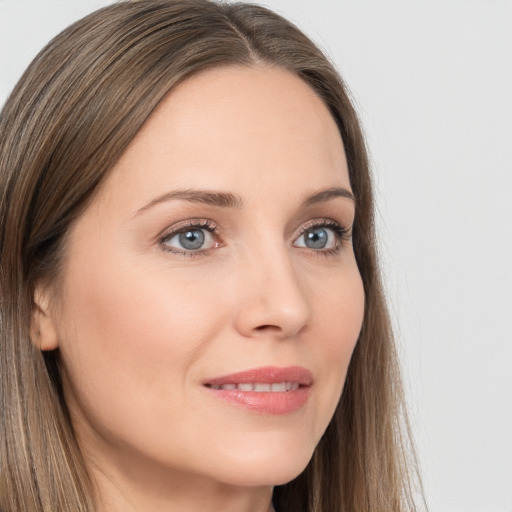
273	300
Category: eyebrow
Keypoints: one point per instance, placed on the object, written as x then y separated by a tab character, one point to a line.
219	199
229	200
330	193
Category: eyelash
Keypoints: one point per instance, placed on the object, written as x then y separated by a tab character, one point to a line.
182	228
341	233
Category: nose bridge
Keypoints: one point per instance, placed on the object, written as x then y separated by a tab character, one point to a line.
275	301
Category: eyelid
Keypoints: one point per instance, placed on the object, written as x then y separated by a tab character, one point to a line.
190	224
325	222
341	232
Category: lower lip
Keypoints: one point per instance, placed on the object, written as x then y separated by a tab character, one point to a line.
262	402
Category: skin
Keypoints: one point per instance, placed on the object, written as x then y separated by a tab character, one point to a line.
141	323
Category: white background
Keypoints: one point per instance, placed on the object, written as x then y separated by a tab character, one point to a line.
432	81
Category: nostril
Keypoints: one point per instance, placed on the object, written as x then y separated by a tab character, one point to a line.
265	327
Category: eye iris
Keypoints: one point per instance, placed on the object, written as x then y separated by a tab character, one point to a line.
316	238
193	239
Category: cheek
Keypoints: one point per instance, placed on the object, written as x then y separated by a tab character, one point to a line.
339	309
338	319
129	338
130	309
345	316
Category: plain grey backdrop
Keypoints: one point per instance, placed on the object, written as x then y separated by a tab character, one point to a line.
432	81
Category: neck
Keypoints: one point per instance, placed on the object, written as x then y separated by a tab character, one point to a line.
125	481
175	493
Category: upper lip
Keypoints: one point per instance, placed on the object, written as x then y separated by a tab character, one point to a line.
266	374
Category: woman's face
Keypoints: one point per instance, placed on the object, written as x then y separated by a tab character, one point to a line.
219	244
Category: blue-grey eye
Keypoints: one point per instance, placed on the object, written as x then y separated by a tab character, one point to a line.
317	237
192	239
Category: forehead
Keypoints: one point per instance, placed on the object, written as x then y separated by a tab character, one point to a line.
235	128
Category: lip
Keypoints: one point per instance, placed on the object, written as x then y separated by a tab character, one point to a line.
263	402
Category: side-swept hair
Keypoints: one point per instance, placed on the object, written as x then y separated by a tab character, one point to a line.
67	122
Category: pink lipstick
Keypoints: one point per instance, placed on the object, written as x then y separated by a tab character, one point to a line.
266	390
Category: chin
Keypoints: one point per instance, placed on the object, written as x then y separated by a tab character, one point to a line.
264	467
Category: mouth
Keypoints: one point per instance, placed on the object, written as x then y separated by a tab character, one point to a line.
266	390
258	387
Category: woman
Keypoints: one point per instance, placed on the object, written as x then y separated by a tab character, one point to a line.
192	316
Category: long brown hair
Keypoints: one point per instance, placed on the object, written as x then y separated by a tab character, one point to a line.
68	120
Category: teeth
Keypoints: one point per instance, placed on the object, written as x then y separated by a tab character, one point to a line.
262	387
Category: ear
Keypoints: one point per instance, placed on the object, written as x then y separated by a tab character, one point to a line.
43	332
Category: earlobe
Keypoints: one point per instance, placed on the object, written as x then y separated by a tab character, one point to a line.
43	333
